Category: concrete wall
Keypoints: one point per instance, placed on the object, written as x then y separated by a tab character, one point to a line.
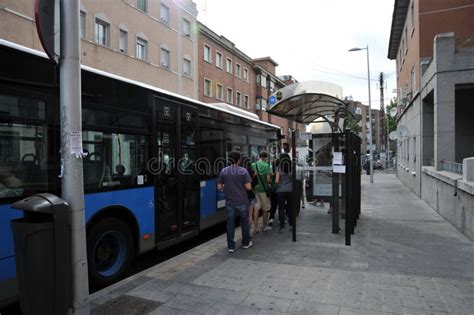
409	155
456	205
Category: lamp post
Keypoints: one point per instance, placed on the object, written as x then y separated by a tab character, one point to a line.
370	113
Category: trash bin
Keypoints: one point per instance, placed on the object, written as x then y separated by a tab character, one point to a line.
42	250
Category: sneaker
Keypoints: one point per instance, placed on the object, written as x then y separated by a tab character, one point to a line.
281	230
267	228
248	246
270	221
256	231
231	250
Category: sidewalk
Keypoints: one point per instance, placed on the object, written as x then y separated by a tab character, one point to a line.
404	259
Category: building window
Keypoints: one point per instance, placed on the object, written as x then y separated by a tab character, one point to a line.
164	58
142	49
186	28
246	101
186	66
164	14
412	14
238	71
246	74
142	5
83	23
207	87
228	65
237	98
272	86
218	59
207	53
261	103
230	96
262	80
102	32
123	41
406	40
219	92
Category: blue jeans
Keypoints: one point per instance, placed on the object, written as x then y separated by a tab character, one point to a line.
232	211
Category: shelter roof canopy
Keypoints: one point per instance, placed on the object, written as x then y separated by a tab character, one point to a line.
303	102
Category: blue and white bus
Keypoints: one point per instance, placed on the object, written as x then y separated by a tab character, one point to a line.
129	129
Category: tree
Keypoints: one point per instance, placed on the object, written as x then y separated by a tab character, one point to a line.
392	122
352	124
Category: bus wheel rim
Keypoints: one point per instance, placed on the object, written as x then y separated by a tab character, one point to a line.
109	253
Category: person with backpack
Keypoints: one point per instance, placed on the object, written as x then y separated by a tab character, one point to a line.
247	164
284	190
262	170
236	181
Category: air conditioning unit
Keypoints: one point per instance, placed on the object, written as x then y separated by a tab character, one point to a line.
163	20
188	34
187	73
165	65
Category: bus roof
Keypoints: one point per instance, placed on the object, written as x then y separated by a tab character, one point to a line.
137	83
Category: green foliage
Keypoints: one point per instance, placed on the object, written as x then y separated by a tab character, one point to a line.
352	124
392	122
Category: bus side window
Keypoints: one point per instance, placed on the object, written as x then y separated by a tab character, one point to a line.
23	159
114	161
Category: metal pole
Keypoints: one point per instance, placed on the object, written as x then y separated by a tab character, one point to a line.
348	176
387	117
371	160
296	197
71	150
335	187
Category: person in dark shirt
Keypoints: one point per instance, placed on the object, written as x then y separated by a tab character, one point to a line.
235	181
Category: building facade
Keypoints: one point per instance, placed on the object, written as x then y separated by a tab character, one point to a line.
362	115
227	75
433	43
154	42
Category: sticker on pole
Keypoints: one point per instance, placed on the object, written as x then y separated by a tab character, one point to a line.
76	144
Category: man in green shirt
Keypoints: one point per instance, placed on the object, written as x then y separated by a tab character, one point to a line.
263	172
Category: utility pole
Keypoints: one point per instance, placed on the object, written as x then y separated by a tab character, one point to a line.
71	150
382	123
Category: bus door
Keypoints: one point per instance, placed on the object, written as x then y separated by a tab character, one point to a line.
166	173
177	186
188	178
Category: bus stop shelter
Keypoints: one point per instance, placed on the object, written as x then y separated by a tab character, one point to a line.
304	102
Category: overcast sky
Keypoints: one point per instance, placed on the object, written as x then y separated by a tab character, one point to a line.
309	39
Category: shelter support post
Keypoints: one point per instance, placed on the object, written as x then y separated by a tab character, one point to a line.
335	190
349	223
296	197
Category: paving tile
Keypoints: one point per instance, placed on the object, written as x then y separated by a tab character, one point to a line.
224	295
267	302
231	309
165	310
189	303
301	307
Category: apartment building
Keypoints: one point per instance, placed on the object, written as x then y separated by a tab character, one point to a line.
228	75
432	42
225	72
362	115
154	42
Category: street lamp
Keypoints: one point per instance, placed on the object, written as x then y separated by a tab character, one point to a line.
370	113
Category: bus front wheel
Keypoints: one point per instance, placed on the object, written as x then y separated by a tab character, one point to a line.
110	251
